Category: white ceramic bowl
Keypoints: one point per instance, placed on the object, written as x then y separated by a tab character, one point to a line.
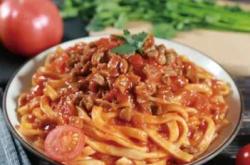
22	81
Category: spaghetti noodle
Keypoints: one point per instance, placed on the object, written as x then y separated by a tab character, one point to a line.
88	105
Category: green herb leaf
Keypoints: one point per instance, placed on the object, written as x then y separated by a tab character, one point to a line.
132	43
124	49
127	37
140	38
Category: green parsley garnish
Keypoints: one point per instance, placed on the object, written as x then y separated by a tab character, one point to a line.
132	43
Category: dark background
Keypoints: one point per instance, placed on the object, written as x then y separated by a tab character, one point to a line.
75	28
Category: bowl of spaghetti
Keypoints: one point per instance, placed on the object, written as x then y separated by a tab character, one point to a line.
123	100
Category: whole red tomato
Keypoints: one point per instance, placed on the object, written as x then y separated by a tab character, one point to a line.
243	156
29	26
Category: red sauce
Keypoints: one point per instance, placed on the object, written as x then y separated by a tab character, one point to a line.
177	83
197	100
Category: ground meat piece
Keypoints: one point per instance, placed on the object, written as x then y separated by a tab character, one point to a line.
169	71
110	82
114	62
170	58
96	58
80	54
123	83
80	70
74	59
113	65
123	66
83	83
164	92
166	79
161	59
152	72
77	97
144	90
161	49
170	55
98	79
87	102
157	55
149	43
152	53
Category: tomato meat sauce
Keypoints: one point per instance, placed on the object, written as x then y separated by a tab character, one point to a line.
121	105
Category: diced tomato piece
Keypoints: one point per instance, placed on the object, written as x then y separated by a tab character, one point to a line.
136	61
66	109
177	83
151	61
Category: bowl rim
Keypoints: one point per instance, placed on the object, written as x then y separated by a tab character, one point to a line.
199	161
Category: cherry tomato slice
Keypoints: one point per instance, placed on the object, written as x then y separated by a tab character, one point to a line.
243	156
64	143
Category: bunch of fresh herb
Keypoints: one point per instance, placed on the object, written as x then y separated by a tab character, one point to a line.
167	16
132	43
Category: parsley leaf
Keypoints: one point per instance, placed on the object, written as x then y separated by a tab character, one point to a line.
132	43
124	49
